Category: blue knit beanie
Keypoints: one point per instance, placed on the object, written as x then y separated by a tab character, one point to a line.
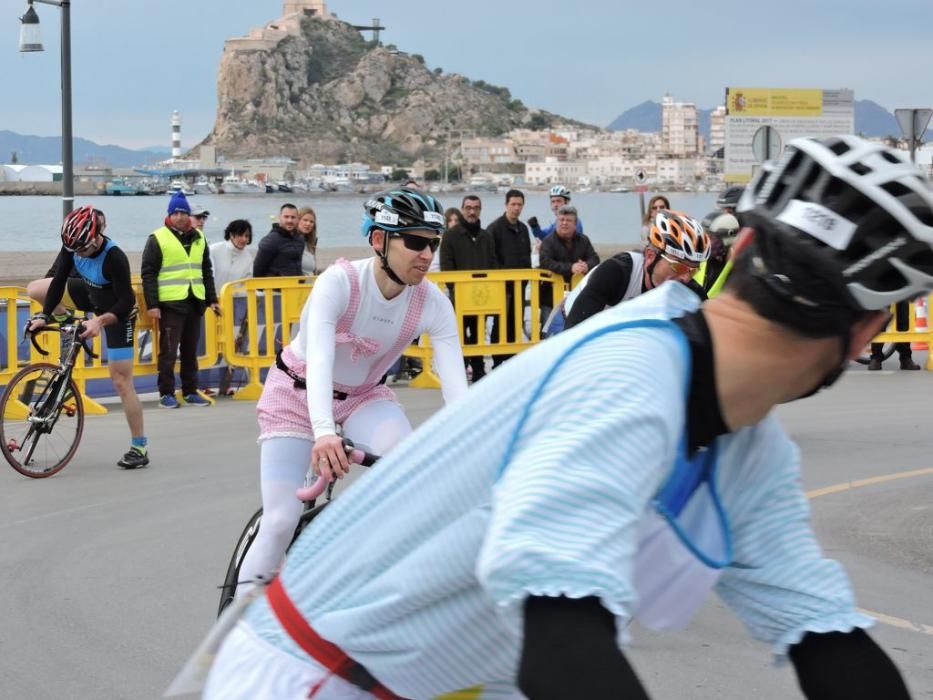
179	202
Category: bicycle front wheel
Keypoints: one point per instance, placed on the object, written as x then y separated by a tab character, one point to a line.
41	420
232	579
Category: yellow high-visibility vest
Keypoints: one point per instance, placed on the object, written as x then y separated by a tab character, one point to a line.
700	278
180	270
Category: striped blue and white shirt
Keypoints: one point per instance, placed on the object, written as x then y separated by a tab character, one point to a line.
419	570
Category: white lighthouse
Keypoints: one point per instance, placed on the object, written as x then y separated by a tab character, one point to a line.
176	134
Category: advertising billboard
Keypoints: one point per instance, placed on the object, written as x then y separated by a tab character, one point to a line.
790	112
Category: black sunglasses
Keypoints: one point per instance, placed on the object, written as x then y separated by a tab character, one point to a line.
415	242
83	249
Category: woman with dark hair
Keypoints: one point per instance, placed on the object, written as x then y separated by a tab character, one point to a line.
307	227
231	257
453	217
655	204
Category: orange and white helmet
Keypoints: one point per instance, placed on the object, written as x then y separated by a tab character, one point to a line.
680	236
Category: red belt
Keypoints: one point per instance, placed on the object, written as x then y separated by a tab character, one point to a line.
328	655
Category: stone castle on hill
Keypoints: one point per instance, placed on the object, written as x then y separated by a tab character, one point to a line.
309	86
289	24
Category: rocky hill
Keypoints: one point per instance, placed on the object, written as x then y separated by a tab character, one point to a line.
326	94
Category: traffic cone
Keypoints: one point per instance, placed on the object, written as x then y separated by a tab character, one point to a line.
920	322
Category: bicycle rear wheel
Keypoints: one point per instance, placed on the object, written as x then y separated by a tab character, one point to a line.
41	420
228	590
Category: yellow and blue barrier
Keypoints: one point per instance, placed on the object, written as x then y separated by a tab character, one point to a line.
261	315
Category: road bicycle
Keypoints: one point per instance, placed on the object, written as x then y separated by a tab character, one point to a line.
41	412
312	509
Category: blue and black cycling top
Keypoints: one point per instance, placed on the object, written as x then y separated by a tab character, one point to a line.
106	276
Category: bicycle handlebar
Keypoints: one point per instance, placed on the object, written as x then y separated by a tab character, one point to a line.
355	455
77	330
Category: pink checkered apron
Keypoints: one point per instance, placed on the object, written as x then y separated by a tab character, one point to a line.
283	408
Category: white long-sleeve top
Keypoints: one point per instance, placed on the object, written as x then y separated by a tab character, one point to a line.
230	263
308	262
377	319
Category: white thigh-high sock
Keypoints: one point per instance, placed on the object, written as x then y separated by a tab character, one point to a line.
377	427
283	464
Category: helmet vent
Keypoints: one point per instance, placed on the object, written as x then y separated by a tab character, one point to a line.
896	189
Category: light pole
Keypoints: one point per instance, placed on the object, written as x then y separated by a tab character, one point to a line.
30	40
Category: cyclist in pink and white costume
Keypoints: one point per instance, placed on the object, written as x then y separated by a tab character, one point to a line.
359	318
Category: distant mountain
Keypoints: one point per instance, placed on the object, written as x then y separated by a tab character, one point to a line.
161	150
33	150
644	117
871	119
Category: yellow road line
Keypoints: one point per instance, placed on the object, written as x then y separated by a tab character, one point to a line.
867	482
848	486
899	622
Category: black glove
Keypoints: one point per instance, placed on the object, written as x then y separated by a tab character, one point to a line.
533	222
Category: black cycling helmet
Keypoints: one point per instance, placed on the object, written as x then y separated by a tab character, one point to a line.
404	209
841	223
729	199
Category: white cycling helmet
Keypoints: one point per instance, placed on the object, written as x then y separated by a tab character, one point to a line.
842	222
560	191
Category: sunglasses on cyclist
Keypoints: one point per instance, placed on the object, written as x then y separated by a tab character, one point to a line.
87	247
679	267
415	242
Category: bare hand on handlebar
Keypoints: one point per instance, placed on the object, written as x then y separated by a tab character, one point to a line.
36	323
329	458
91	328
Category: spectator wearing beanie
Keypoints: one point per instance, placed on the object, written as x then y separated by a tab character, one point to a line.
178	285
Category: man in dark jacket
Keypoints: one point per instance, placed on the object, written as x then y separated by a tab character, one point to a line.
280	250
469	247
178	285
513	252
565	251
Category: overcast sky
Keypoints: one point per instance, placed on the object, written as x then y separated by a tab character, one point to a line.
134	61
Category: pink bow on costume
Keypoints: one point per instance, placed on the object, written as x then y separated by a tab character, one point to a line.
362	347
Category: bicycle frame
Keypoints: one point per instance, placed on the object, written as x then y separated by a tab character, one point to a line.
46	415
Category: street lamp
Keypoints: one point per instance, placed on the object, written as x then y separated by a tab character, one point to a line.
30	40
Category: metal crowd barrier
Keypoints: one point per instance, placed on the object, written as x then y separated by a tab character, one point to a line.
264	318
917	331
517	302
261	315
16	352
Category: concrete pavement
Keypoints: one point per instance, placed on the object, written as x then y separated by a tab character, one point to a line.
109	577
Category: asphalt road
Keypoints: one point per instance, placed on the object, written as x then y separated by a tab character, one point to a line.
109	577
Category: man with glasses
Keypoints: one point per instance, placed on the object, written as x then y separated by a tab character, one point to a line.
103	286
566	251
358	319
469	247
677	246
